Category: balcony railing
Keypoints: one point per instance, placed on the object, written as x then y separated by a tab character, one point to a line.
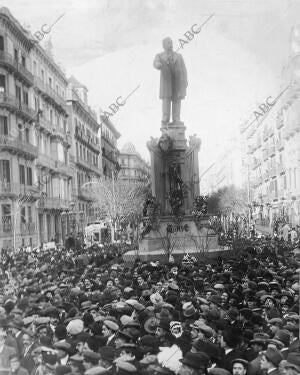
46	161
87	140
15	189
12	103
17	146
63	168
54	203
50	93
27	228
7	60
87	108
88	165
45	124
58	132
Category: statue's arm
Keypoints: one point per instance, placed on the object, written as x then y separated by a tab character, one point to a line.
157	62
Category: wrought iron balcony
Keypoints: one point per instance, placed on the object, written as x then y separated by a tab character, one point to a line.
18	190
7	61
88	140
13	104
17	146
50	94
54	203
89	166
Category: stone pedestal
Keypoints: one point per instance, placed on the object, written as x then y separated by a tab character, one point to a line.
184	156
175	233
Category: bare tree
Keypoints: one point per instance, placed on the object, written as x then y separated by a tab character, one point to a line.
120	201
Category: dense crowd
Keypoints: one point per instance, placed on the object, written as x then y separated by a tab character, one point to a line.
83	311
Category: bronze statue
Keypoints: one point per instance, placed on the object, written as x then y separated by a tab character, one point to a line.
173	81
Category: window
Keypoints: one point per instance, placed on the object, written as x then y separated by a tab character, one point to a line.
2	83
23	61
27	135
6	217
5	171
43	75
29	176
50	81
22	174
3	125
29	210
1	43
25	97
16	55
34	68
23	215
18	93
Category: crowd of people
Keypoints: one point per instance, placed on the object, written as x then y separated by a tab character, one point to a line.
84	311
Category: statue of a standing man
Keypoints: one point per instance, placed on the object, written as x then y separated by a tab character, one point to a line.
173	81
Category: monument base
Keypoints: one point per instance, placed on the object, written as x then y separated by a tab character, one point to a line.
170	238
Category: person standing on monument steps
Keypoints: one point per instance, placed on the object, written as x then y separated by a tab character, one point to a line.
173	81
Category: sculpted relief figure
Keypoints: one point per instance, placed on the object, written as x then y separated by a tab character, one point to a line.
173	81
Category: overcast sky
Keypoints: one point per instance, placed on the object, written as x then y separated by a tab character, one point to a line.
109	45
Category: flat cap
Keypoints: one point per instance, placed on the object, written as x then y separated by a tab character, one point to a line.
111	325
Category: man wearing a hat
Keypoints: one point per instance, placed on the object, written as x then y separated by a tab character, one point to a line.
109	331
270	361
239	366
292	365
270	310
90	359
194	364
162	331
107	356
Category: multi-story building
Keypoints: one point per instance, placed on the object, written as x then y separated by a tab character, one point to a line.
18	147
133	166
226	169
110	153
273	153
86	150
44	158
53	140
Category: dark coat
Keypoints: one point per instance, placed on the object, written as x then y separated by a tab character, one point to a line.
226	360
173	76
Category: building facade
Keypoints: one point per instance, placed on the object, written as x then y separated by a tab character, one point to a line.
133	167
18	147
109	137
85	156
50	144
272	162
53	172
226	170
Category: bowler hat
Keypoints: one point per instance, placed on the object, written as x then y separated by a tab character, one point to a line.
188	309
293	360
274	356
195	360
